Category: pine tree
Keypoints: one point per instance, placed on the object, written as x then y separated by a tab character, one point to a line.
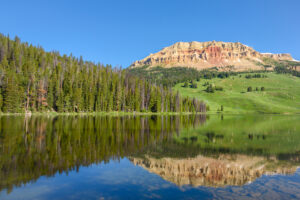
137	97
11	95
153	102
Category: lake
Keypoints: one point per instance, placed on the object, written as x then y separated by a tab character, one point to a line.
150	157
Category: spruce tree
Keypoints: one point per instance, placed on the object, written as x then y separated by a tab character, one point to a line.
11	95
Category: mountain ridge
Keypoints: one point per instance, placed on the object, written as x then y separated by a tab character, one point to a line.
226	56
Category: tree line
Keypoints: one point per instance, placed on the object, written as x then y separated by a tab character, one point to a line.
172	76
288	69
33	80
284	66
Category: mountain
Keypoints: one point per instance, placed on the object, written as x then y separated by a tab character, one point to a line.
226	56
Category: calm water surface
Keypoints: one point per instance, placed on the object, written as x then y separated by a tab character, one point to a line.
150	157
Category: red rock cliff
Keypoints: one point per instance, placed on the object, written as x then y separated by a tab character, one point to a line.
203	55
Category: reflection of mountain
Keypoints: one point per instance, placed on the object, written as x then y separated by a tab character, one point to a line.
216	172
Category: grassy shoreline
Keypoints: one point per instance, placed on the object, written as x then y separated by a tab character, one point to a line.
98	113
139	113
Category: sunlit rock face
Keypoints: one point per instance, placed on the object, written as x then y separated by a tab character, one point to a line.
216	172
202	55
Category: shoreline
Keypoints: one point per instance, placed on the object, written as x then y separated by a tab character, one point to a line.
96	113
137	113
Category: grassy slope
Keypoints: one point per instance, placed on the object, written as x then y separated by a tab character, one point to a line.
282	94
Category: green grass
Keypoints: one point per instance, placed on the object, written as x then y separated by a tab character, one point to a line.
281	95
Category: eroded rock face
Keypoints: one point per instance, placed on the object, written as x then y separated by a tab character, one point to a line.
217	172
203	55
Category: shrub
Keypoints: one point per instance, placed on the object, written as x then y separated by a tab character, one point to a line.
249	89
210	89
194	85
219	88
207	108
206	83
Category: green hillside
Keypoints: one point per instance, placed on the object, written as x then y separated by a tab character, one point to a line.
281	93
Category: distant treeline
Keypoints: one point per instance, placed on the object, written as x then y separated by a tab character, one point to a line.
248	76
287	69
34	80
174	75
284	66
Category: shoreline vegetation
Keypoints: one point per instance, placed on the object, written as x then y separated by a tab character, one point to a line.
99	113
141	113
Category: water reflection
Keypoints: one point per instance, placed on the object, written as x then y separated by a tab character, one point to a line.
194	150
224	170
36	146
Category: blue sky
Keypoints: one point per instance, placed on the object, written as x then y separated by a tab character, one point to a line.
120	32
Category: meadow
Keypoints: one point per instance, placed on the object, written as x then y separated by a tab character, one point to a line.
281	94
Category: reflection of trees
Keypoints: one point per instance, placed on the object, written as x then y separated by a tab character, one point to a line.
252	135
35	146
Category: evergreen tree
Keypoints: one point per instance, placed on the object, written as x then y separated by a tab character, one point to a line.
11	95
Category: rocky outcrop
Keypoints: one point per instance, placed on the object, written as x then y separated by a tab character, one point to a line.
217	172
203	55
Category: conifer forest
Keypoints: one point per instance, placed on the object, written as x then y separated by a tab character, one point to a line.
33	80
